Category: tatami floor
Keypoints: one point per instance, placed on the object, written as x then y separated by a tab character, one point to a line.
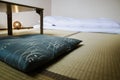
97	59
37	31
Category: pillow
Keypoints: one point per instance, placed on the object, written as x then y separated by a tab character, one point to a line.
32	51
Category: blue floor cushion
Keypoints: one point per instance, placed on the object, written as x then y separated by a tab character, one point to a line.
29	52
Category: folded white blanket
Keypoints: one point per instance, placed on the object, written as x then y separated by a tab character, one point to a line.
84	25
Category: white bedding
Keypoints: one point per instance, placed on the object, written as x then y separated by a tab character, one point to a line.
83	25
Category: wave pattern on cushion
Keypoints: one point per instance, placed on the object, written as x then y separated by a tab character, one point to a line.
27	53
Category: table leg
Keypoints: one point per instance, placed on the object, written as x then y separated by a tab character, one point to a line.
9	19
40	12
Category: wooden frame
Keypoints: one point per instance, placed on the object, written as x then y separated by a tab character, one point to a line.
9	15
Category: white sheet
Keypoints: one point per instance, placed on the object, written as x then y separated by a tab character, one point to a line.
83	25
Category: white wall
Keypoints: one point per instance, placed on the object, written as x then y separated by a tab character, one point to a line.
46	4
70	8
87	8
29	18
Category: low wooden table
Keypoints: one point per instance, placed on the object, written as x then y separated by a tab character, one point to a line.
9	5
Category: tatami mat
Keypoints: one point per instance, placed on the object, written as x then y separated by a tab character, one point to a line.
97	59
37	31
